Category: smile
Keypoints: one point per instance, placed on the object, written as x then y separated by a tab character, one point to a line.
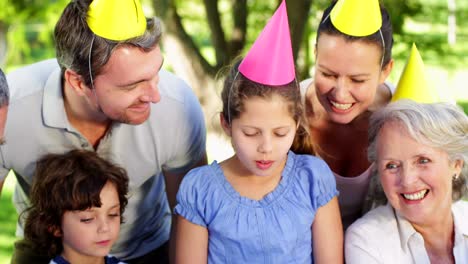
340	106
415	196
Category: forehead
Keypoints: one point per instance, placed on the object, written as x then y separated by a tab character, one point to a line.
128	63
260	110
335	48
393	137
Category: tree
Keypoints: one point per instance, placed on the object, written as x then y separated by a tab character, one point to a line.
27	25
228	37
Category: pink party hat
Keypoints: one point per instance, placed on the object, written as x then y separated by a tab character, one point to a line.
270	59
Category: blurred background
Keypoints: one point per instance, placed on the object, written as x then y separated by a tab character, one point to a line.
202	37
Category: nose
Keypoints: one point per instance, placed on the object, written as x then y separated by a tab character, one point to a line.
103	226
151	93
341	88
266	145
408	176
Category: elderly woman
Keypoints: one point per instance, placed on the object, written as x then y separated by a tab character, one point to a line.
421	154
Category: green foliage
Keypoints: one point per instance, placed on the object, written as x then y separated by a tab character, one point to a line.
30	29
8	219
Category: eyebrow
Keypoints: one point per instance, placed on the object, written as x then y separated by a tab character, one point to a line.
275	128
354	75
138	81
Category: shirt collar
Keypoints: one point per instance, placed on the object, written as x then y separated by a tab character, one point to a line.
53	107
459	218
405	230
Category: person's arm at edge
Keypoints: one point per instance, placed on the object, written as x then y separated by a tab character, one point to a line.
191	241
173	181
327	234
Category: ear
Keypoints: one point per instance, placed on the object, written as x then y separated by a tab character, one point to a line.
457	166
74	81
386	71
56	231
224	124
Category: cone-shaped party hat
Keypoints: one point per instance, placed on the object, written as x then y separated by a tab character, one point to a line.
270	59
116	19
357	17
413	83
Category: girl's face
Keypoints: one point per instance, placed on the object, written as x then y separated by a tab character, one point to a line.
416	178
90	234
262	135
347	75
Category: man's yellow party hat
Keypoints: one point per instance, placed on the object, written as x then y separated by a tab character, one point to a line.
413	83
116	19
357	17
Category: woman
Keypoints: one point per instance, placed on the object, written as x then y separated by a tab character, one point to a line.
421	154
348	85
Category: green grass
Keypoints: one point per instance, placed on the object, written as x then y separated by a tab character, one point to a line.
8	219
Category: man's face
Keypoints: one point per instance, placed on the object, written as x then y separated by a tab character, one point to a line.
129	84
3	117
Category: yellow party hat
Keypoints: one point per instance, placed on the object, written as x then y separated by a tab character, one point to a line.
357	17
116	19
413	83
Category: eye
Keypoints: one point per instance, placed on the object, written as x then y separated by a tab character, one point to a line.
114	215
391	166
358	81
281	134
86	220
423	160
251	133
327	75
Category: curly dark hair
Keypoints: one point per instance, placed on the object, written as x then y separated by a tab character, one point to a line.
67	182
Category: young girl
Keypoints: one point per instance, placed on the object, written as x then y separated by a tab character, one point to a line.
352	63
265	204
77	200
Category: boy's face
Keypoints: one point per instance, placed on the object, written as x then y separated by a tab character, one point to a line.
91	233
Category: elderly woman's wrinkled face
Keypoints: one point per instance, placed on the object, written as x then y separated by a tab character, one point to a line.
416	178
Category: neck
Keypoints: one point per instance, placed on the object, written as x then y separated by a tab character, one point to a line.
438	238
84	116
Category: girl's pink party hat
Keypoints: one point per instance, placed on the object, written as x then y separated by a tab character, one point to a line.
270	59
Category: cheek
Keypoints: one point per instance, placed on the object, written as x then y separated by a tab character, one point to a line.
322	85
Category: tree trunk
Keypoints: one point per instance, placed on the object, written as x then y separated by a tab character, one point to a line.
186	60
452	24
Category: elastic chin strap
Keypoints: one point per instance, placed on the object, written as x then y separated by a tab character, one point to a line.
91	73
229	98
383	49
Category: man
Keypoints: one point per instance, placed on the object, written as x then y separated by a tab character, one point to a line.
111	96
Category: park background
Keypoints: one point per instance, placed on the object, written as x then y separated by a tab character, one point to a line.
202	37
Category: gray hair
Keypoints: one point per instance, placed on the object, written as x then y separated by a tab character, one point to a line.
74	42
439	125
4	91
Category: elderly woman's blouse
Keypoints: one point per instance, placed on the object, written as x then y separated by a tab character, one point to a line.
383	236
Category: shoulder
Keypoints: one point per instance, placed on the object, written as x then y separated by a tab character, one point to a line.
177	96
312	165
460	212
304	86
201	178
37	77
374	224
173	87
